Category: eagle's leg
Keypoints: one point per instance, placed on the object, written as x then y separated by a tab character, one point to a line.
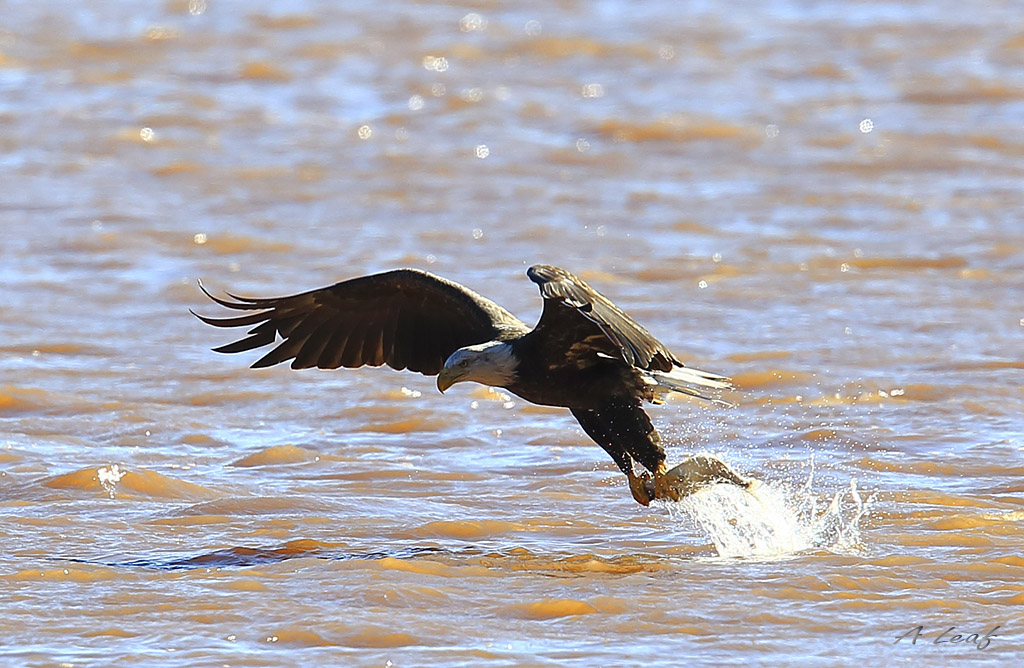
638	486
609	434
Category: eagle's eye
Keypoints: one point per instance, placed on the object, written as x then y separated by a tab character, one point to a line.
464	363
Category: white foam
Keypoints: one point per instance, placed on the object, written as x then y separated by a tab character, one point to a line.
109	476
774	519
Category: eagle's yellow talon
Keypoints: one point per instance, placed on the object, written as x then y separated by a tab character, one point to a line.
640	486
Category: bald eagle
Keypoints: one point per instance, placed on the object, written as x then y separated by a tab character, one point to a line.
584	354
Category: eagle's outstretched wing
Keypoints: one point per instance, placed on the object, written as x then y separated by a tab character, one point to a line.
574	313
405	318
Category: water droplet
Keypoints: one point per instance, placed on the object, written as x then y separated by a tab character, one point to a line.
158	33
717	257
592	90
702	284
438	90
199	238
435	63
582	145
147	135
469	23
416	102
771	130
478	233
532	28
196	7
365	132
867	125
666	52
401	134
482	151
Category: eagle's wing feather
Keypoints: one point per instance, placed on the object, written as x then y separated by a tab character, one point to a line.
405	318
574	312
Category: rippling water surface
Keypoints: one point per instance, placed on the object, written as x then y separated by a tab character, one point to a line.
821	200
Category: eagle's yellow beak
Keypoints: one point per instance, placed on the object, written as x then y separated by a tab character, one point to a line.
448	377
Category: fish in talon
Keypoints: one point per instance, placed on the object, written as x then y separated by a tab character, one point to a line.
692	475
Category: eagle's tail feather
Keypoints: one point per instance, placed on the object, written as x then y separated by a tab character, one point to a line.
682	379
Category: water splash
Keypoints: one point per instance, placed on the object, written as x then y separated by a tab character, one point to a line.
774	519
109	476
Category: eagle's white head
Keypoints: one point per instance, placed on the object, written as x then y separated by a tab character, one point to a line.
491	363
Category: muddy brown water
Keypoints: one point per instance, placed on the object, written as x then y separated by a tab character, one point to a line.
821	200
